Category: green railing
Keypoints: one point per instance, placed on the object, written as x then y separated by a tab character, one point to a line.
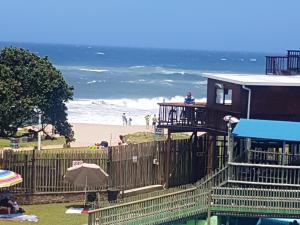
265	175
209	196
155	210
175	205
255	202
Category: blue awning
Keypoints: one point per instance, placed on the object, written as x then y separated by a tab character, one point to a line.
268	129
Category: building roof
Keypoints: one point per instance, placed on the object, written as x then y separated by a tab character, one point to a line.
256	80
268	129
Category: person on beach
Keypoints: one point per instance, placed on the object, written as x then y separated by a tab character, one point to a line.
189	99
154	121
124	119
147	119
129	121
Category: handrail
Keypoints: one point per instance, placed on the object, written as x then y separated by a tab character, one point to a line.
142	200
264	165
216	174
153	210
207	195
262	202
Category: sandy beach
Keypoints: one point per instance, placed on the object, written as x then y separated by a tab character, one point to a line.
89	134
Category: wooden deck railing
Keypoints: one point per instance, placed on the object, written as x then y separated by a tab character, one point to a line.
180	115
283	65
276	65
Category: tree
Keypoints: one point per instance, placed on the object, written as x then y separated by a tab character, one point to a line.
28	82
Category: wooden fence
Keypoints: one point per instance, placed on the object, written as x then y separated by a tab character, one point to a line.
43	171
145	164
129	166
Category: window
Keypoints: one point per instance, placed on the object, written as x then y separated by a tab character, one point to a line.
223	96
219	96
228	96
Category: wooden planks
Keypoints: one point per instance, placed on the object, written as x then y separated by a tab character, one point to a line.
129	166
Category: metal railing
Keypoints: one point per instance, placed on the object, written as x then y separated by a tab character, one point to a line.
272	157
255	202
210	194
263	174
164	208
154	210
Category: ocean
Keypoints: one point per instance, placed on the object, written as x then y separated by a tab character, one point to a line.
110	81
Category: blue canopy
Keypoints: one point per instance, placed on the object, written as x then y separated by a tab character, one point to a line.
268	129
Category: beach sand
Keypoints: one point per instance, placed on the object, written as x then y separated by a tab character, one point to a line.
89	134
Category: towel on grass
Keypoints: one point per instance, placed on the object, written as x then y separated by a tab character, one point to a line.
73	210
18	217
77	210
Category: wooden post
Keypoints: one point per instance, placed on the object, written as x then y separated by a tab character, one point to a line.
283	153
33	171
211	153
195	166
167	173
109	166
209	198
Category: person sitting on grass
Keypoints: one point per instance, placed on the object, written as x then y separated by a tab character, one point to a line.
8	204
121	140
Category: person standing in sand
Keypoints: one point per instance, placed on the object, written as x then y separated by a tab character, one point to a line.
124	119
147	119
154	121
129	121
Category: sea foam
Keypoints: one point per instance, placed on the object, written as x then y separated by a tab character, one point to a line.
93	70
109	111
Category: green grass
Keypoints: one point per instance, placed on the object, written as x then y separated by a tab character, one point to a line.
141	137
57	141
51	214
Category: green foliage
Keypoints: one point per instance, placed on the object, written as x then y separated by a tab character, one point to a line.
56	141
141	137
28	82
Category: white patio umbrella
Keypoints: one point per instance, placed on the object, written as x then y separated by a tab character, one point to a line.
85	175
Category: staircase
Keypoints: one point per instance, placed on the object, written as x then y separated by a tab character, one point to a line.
231	191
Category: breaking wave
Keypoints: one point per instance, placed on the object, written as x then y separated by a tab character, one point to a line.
109	111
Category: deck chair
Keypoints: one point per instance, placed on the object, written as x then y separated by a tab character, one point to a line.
172	117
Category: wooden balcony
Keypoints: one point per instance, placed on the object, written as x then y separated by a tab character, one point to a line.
284	65
197	117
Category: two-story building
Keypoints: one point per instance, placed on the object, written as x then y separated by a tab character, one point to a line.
267	97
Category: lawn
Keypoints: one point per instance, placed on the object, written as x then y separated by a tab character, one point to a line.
57	141
140	137
51	214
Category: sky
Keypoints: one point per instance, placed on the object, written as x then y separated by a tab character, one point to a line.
230	25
